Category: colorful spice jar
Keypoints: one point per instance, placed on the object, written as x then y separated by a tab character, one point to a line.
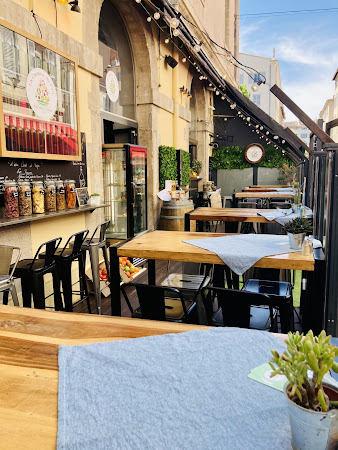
25	198
70	194
11	200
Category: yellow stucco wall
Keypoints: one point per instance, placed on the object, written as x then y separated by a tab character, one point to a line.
57	15
165	127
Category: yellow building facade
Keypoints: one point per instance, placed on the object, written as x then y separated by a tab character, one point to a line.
152	101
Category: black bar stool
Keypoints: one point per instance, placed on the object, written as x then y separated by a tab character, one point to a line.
31	272
64	258
93	246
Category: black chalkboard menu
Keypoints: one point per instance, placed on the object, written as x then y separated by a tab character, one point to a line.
17	169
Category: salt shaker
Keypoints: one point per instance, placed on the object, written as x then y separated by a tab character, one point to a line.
306	248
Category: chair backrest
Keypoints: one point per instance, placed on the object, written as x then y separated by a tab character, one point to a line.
6	256
77	240
151	299
51	247
236	305
103	228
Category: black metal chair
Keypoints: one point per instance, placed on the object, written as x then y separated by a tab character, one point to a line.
31	273
155	305
6	274
93	246
280	293
243	309
65	257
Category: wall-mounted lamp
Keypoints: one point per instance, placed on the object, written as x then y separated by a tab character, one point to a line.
189	95
171	61
74	5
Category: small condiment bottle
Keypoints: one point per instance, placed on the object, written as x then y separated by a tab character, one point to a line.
306	248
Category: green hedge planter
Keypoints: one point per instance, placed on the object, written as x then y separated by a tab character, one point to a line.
234	158
168	157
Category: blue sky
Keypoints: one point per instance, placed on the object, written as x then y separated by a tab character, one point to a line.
306	47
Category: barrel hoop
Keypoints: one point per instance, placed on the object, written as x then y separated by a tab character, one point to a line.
172	217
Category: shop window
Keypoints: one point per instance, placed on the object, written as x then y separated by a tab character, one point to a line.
39	99
117	88
256	99
304	135
241	78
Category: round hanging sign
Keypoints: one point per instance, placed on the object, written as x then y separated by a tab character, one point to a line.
41	93
254	153
112	86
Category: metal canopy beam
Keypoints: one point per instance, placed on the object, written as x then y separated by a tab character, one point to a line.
304	118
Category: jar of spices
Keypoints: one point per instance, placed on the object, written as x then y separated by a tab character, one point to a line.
70	194
25	198
11	200
38	197
50	196
60	196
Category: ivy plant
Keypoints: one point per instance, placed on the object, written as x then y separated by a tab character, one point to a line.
168	164
234	158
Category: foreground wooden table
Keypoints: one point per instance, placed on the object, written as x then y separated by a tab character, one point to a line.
29	341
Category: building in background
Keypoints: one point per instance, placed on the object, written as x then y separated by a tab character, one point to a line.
262	97
329	113
300	130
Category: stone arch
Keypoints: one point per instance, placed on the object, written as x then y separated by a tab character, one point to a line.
201	122
143	48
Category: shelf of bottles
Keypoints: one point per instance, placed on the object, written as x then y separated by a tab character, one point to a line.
25	132
115	191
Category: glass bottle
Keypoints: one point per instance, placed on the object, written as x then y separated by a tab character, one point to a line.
38	197
70	194
11	200
50	196
25	198
60	196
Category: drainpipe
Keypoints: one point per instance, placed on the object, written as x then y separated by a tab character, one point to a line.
176	98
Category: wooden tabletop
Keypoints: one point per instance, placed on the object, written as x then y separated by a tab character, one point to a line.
230	215
29	365
169	246
271	186
262	194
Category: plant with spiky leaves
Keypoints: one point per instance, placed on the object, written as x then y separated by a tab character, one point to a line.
304	354
298	225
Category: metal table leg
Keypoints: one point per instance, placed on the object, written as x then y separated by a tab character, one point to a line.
115	297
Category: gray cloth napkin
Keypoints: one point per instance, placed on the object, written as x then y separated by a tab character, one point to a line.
176	391
285	190
283	217
241	251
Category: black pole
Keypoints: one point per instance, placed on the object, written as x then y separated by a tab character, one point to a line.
255	175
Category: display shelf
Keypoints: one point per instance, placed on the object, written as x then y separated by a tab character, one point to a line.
4	222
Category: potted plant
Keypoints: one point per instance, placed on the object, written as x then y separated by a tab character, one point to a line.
311	401
296	229
95	200
196	168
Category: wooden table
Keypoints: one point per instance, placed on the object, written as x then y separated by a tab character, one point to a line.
29	341
248	215
169	246
263	194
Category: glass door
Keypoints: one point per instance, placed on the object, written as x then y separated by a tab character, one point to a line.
138	160
115	190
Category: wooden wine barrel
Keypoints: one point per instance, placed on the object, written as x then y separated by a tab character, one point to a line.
172	214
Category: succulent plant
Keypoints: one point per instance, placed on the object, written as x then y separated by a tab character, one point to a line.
298	197
298	225
303	354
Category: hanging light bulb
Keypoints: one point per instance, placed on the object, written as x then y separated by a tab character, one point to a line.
267	133
223	98
257	126
248	119
149	19
197	47
228	56
184	59
254	87
261	127
201	77
166	40
275	137
283	141
217	92
138	1
210	84
157	15
176	32
233	106
174	22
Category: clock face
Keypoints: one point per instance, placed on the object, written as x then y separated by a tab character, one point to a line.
254	153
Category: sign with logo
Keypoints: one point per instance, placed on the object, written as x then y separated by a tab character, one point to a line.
254	153
41	93
112	86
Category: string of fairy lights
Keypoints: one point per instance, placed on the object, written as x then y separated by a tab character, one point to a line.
219	88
